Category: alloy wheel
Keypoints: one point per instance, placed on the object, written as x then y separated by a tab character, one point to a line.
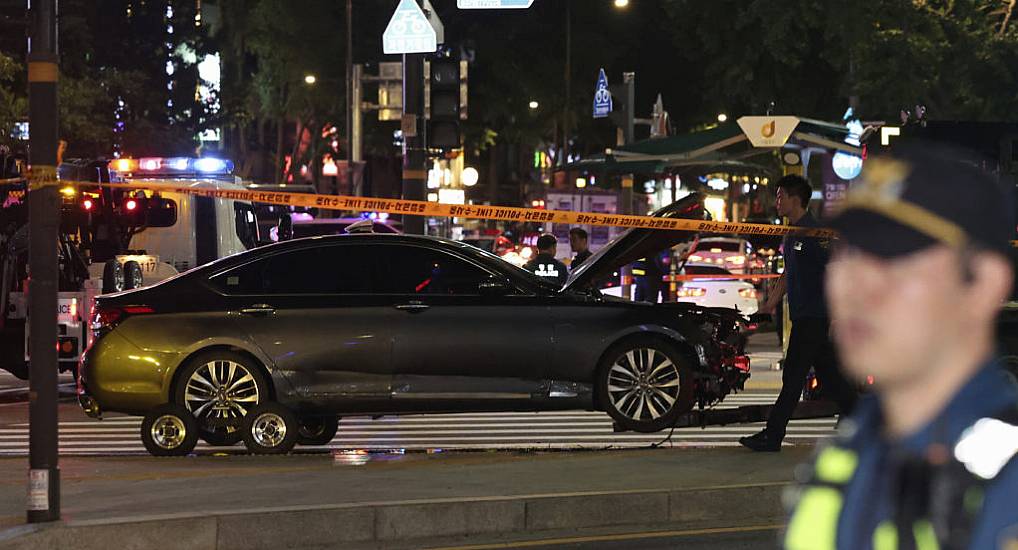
219	393
168	432
268	430
643	384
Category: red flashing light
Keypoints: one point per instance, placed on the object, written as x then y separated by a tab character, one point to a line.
742	362
869	380
131	204
87	204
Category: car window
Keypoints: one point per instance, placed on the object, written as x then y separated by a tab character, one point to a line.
335	269
247	224
416	270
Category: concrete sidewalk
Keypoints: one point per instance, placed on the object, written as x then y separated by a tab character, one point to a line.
316	501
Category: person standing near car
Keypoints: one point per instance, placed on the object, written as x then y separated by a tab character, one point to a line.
578	243
809	344
544	264
930	458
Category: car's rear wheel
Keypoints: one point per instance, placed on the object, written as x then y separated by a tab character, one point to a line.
219	388
169	430
270	428
645	384
317	430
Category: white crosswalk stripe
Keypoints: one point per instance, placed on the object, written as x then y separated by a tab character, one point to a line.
464	431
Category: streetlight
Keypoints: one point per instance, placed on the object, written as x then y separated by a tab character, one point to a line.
469	176
722	117
310	79
621	3
534	105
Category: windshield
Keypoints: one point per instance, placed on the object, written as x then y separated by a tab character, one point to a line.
705	270
719	246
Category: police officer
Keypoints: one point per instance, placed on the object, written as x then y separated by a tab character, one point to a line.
809	344
928	461
578	242
545	264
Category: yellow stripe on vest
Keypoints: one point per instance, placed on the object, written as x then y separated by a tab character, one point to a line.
836	465
815	523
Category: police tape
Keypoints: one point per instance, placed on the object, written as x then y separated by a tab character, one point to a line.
473	211
722	277
434	209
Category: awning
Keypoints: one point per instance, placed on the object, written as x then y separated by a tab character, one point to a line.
722	145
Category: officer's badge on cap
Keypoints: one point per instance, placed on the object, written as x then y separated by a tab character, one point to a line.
922	196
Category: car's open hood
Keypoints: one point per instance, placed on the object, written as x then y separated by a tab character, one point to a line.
638	243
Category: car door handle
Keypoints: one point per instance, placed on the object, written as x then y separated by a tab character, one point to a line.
413	307
258	309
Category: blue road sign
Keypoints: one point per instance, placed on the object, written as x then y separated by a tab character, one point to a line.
409	31
493	4
602	97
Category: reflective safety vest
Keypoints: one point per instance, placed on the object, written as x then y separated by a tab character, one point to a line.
948	492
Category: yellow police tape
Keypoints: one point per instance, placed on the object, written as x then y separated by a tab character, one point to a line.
434	209
502	213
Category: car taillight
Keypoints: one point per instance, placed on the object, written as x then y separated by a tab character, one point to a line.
691	292
105	318
737	260
747	292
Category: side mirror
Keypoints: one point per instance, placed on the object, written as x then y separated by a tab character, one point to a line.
494	287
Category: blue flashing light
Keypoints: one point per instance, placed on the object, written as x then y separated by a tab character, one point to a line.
209	164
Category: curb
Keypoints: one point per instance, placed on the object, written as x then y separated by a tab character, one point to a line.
394	522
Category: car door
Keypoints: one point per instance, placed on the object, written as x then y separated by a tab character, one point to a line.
312	310
450	342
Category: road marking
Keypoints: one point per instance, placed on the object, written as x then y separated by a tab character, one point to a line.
615	538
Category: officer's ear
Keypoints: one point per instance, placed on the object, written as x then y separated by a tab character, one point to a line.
989	277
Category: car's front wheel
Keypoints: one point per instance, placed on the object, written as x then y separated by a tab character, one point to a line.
219	388
645	384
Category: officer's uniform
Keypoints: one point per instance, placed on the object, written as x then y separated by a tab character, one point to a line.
545	265
809	344
579	258
954	481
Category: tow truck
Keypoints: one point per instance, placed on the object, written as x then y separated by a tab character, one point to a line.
115	239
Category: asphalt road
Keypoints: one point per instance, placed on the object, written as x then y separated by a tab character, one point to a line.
735	538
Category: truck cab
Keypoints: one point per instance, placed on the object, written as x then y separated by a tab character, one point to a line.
113	238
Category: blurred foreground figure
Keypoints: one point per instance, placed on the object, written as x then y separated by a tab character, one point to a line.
929	460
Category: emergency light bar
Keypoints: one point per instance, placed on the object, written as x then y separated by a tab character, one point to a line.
171	166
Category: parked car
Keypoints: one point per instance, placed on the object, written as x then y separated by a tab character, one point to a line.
734	254
272	345
712	291
305	225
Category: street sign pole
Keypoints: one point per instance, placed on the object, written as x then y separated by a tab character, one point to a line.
415	173
43	219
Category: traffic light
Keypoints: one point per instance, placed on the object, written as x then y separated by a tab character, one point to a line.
446	102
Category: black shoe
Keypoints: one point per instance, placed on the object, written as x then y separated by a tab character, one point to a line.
762	442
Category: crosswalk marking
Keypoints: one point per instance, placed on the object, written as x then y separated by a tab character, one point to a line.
549	430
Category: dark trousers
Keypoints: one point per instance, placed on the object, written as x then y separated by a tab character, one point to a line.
809	345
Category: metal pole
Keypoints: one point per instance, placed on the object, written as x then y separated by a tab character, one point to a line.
356	150
415	173
43	220
626	195
566	122
350	106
